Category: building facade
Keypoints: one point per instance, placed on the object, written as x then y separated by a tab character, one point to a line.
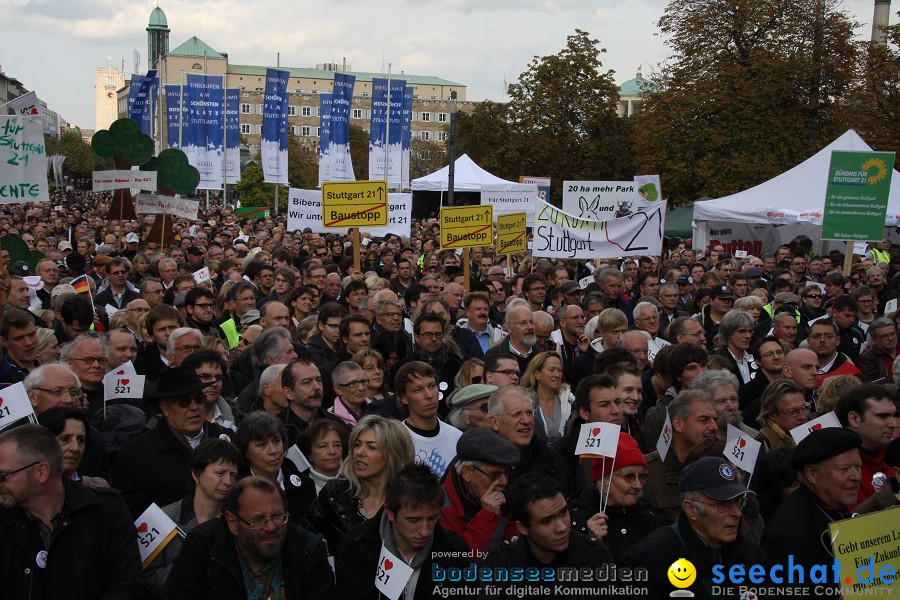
107	83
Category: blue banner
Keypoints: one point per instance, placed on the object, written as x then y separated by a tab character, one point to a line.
406	128
173	115
274	139
142	100
232	135
203	129
324	137
339	146
377	130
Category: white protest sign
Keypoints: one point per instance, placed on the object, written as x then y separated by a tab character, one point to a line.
740	254
305	210
15	405
665	437
151	204
601	200
741	449
116	180
889	306
585	281
296	456
399	217
123	383
154	530
110	309
860	247
23	160
511	198
560	235
598	439
391	574
648	187
202	275
826	420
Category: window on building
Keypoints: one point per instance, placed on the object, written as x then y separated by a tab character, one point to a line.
357	113
110	81
245	109
441	136
425	135
292	111
245	127
306	111
426	117
306	131
443	117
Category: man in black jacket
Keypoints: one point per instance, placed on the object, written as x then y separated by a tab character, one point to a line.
408	529
155	466
59	539
252	551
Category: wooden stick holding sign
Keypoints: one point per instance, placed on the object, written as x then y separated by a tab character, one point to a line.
467	278
357	248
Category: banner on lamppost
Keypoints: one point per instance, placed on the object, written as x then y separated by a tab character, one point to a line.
274	138
142	100
203	128
406	129
339	146
324	138
173	114
232	136
380	126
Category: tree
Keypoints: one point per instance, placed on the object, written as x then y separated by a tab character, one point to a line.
562	113
303	164
359	152
751	89
486	136
253	191
425	157
80	159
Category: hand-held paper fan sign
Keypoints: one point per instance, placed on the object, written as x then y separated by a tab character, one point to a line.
19	252
127	146
174	175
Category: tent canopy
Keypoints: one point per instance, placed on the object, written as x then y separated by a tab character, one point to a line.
800	189
468	177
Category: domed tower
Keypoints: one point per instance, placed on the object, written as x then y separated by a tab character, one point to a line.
157	37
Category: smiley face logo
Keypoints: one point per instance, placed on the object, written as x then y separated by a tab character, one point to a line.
682	573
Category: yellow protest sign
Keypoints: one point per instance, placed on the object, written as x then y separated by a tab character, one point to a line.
354	204
868	550
466	226
511	233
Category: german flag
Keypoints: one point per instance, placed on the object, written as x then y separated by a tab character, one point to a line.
82	285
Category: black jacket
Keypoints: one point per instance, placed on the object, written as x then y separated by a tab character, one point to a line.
208	566
334	512
661	548
357	559
106	297
538	457
149	363
319	352
733	366
93	551
155	466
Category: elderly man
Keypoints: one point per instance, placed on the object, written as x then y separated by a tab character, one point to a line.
829	465
877	361
254	535
152	291
638	345
785	328
570	340
646	319
168	271
685	330
211	368
272	347
475	488
183	342
722	388
783	408
511	414
41	511
271	397
521	339
610	281
668	297
869	410
87	355
693	420
706	532
155	467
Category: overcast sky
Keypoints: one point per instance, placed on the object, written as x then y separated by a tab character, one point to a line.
54	46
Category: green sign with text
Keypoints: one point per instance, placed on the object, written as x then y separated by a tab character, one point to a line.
856	199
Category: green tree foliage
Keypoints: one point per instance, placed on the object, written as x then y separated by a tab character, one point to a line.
485	135
425	157
80	159
303	164
253	191
359	152
751	88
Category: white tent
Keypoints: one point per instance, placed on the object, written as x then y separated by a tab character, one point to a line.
796	197
468	177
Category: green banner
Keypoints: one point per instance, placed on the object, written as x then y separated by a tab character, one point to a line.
257	212
857	196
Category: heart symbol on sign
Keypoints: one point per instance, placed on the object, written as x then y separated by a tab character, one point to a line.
817	427
1	401
388	565
142	528
120	372
666	430
125	381
595	431
742	443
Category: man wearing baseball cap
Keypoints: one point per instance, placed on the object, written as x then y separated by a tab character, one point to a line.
721	301
707	531
829	467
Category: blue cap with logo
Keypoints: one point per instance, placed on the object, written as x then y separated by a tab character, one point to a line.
715	477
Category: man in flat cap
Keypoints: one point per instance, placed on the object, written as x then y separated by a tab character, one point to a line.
707	531
475	486
829	467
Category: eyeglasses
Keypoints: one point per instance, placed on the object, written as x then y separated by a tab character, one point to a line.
392	315
208	305
631	477
58	393
186	402
89	360
354	384
496	474
210	377
8	474
116	272
822	336
521	413
772	353
192	348
814	296
278	520
507	372
723	506
793	412
431	335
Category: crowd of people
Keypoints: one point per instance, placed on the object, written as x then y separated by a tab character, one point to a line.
303	420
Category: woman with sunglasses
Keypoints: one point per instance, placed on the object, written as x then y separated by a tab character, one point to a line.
626	518
811	303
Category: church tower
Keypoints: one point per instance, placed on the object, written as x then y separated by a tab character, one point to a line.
880	20
157	37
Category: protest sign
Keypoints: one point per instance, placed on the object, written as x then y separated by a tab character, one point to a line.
123	383
399	217
561	235
15	405
124	179
598	439
542	183
23	159
665	438
510	198
866	548
348	204
511	233
826	420
297	457
601	200
391	574
152	204
202	275
466	226
741	449
305	210
856	198
648	187
154	530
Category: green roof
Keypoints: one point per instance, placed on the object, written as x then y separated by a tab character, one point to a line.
309	73
636	86
196	47
158	18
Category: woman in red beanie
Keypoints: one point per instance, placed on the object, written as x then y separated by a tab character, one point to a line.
627	518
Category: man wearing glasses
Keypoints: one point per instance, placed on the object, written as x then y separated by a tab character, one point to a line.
120	292
254	538
44	516
199	304
707	530
155	467
877	361
86	355
823	340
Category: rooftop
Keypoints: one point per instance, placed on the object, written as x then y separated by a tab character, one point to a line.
158	18
311	73
196	47
636	86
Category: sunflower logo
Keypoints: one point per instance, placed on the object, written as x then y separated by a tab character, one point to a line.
880	170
